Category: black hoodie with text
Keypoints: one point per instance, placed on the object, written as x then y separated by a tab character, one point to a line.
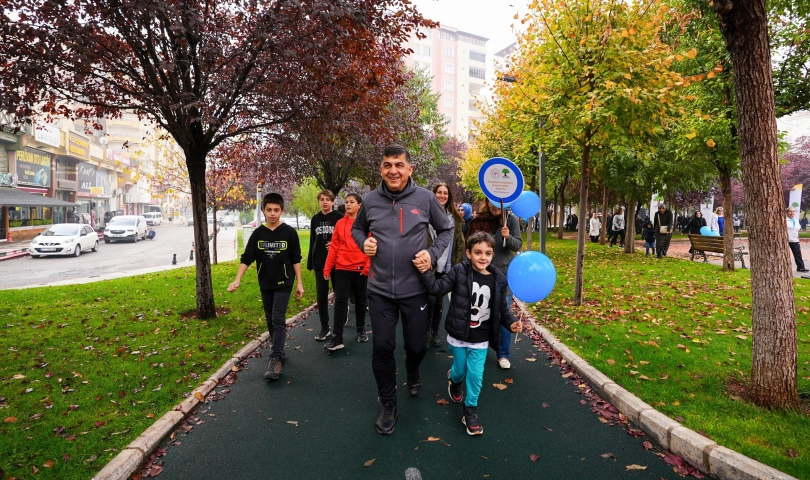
275	252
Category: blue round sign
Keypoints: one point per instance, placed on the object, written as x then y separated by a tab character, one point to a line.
500	179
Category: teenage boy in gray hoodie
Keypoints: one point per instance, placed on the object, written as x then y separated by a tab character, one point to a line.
392	229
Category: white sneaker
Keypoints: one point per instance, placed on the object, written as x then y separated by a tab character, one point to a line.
504	363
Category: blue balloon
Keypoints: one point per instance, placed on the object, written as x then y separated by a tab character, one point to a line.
714	234
531	276
704	230
527	204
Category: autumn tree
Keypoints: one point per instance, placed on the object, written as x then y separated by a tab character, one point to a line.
600	75
203	70
744	25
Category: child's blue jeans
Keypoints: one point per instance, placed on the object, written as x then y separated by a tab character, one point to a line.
468	363
649	246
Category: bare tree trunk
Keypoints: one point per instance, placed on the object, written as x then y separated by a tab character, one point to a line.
728	227
603	229
561	223
630	229
744	24
583	212
205	289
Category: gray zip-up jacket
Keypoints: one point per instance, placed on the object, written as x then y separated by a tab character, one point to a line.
399	222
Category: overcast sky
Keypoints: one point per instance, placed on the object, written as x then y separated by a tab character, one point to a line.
487	18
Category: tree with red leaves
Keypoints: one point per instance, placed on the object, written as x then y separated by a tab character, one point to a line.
797	170
202	70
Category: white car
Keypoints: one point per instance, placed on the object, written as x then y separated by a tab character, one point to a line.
153	218
125	227
64	239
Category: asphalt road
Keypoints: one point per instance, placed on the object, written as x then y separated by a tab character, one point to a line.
111	258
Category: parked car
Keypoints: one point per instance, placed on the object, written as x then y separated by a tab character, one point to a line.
190	221
301	223
153	218
64	239
125	227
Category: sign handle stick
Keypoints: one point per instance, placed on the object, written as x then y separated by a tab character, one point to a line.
503	221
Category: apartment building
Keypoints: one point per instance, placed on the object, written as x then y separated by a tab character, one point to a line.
458	63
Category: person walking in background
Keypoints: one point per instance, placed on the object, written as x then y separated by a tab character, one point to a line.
468	216
595	226
648	234
663	225
793	239
618	228
397	215
803	223
477	317
348	268
320	235
507	242
737	223
717	222
275	248
452	255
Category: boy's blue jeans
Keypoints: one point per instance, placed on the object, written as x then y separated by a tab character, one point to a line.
468	363
649	246
506	334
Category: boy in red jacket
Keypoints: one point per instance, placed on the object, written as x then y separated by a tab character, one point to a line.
350	275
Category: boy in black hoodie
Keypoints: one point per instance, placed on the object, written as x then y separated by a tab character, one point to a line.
648	233
277	252
320	236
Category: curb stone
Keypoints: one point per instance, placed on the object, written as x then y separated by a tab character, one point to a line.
129	460
701	452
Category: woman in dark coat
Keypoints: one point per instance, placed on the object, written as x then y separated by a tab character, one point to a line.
693	227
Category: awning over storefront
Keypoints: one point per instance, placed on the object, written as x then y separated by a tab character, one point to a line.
13	197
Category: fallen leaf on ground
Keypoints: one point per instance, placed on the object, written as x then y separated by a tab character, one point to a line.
199	396
293	422
534	457
647	445
442	401
742	337
10	420
643	377
610	361
369	463
531	359
609	455
508	380
568	375
433	439
635	467
546	405
603	420
792	453
499	386
49	464
550	430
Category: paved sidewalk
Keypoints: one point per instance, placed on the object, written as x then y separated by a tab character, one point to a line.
317	421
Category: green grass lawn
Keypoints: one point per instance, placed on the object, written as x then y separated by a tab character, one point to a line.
85	369
673	332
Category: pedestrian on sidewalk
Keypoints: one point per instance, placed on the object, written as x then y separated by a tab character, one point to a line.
618	228
717	223
397	214
793	239
507	242
275	248
347	267
595	226
693	227
648	233
663	224
452	255
478	313
320	235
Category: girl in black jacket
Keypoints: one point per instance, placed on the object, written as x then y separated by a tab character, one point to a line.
477	311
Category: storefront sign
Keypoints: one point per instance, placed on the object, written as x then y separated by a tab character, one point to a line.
78	146
47	134
96	190
87	178
33	167
118	157
96	151
8	179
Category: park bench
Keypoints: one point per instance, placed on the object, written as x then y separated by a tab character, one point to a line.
702	244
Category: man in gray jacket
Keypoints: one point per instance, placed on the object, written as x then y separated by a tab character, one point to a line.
392	229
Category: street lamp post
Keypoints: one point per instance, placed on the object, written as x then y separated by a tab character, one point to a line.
541	189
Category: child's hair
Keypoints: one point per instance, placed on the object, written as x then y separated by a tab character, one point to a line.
479	237
326	193
355	196
274	198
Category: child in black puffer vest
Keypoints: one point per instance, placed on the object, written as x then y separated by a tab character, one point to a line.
648	233
477	311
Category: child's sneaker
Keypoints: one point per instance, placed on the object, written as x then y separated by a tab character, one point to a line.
362	336
454	389
470	419
335	344
323	335
273	369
